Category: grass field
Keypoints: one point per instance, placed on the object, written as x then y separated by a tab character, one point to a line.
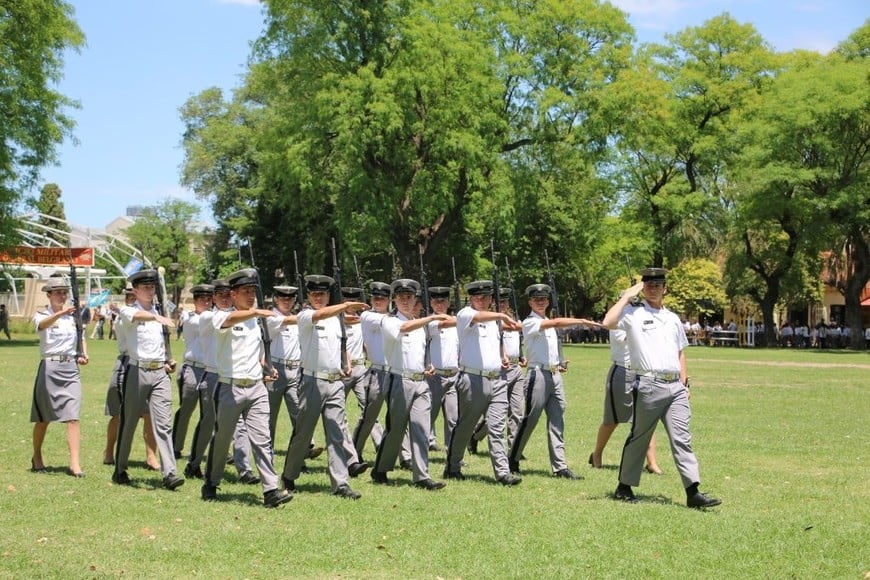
781	437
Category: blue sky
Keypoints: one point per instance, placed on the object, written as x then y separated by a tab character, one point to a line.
144	59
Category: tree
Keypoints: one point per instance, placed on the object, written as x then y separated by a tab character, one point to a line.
34	35
50	204
695	290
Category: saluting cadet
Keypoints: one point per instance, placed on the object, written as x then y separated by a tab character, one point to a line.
113	396
322	392
241	393
373	383
656	344
478	389
618	402
512	375
543	385
146	383
193	367
444	356
407	393
57	391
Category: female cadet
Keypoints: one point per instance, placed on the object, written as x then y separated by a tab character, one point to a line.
57	392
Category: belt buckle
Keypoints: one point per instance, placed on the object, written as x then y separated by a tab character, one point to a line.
153	365
333	376
246	382
416	376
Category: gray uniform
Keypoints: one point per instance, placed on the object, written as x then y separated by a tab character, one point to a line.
443	354
57	391
373	383
285	357
189	377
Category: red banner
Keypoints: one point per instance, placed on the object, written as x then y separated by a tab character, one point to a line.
48	256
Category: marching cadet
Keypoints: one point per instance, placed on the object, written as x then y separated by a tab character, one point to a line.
193	367
478	389
322	392
146	382
543	386
113	396
407	393
656	344
241	392
373	383
285	357
512	375
57	391
444	356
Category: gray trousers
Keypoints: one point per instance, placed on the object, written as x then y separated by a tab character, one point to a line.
374	393
286	389
408	410
667	402
443	391
146	391
205	427
318	399
480	397
544	393
188	397
251	406
513	378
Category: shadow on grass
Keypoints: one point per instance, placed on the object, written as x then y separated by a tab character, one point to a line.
19	343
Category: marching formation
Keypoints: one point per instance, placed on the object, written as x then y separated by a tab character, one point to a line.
491	375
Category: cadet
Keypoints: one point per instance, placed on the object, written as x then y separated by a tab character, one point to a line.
322	392
656	344
408	394
57	391
543	385
193	367
285	357
444	356
146	382
374	387
241	392
478	389
113	396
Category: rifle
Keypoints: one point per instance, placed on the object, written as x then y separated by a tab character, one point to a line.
554	303
300	283
77	313
337	299
456	301
162	309
507	267
424	283
359	279
268	369
496	292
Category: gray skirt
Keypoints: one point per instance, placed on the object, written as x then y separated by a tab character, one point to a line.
57	392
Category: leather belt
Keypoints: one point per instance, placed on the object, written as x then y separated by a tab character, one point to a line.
323	375
193	364
239	382
409	375
60	358
150	365
385	368
480	373
289	363
514	360
626	367
551	368
669	376
446	372
357	361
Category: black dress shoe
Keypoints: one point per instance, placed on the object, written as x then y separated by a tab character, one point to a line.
121	478
454	475
192	472
472	446
208	492
35	469
152	468
509	479
249	478
79	474
380	477
514	467
177	454
275	497
355	469
624	493
289	484
314	452
430	484
699	500
566	474
346	492
435	447
405	464
172	482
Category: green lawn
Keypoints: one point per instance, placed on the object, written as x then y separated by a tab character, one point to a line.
781	437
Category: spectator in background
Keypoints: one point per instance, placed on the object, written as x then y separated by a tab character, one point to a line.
4	321
835	335
786	335
822	335
867	337
99	322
